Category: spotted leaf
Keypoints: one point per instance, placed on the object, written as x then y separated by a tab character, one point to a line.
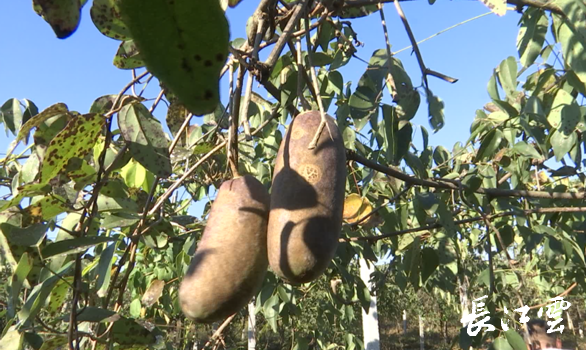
75	140
106	16
146	140
184	43
62	15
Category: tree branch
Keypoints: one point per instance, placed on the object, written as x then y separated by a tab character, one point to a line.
467	221
493	192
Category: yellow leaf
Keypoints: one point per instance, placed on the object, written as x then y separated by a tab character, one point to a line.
352	206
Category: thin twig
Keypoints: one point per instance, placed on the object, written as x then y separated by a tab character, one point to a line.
180	132
324	121
284	38
301	101
390	79
157	100
413	42
219	331
235	117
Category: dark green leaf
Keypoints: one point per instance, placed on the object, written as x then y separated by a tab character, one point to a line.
94	314
62	15
127	332
194	37
429	263
11	114
73	246
489	145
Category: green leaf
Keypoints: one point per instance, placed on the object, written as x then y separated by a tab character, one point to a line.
55	343
94	314
35	121
127	332
134	308
106	16
533	106
561	101
320	59
46	208
194	37
492	88
363	294
25	264
120	219
134	174
127	56
62	15
76	140
104	269
12	340
489	145
36	298
11	114
31	236
524	149
531	36
73	246
429	263
364	101
398	135
435	111
270	311
571	34
58	295
147	142
441	155
501	344
562	144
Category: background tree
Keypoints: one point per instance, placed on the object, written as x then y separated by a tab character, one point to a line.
96	236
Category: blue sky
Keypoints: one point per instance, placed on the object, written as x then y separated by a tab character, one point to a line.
38	66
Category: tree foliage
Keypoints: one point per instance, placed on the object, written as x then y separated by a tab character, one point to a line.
95	224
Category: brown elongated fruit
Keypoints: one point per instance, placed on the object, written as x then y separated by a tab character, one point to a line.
230	262
307	200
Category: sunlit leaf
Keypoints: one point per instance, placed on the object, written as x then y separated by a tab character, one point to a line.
76	140
147	142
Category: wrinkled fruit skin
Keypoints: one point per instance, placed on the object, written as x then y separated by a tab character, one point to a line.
307	200
230	263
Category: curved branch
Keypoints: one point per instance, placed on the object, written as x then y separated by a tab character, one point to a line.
493	192
467	221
